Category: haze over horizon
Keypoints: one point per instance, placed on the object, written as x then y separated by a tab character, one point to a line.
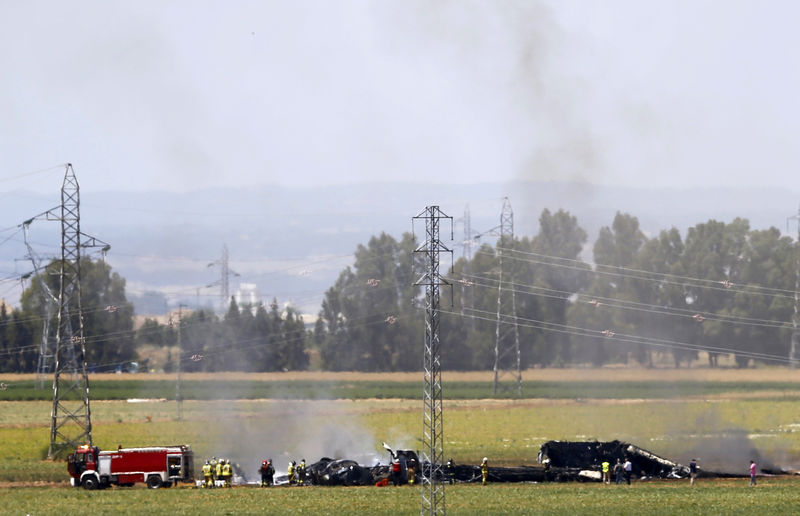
186	98
150	96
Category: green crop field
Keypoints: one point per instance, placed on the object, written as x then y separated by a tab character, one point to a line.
729	497
725	420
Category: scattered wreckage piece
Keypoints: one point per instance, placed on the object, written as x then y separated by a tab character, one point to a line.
342	472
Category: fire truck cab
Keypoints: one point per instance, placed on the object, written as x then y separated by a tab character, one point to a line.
157	466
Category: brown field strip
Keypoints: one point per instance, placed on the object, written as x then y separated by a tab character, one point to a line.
611	374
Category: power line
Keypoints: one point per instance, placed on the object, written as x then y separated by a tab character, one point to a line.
598	301
670	279
634	339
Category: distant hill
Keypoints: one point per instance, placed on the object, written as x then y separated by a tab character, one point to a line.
293	242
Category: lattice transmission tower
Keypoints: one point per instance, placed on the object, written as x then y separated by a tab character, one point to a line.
795	342
507	358
70	418
467	295
49	300
432	485
224	280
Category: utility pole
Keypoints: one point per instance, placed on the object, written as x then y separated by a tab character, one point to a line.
70	418
432	485
795	343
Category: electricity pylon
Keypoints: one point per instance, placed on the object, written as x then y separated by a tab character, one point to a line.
70	418
467	296
507	357
432	484
49	301
223	282
795	343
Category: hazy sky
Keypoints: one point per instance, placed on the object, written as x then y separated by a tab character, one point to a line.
171	95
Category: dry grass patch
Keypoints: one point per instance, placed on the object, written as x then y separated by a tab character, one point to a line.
610	374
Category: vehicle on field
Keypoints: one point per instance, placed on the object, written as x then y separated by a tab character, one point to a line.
157	466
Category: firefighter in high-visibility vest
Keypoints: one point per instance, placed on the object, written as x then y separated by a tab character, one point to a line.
213	463
218	470
227	473
484	471
208	479
412	471
301	473
290	472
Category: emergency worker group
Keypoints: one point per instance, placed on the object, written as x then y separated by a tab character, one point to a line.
217	473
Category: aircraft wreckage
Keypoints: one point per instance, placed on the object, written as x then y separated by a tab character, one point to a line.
559	461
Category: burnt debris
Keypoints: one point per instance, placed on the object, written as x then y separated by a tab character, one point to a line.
559	461
589	456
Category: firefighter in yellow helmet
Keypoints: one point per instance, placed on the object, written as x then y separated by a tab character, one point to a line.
218	470
227	473
290	472
208	478
484	470
213	464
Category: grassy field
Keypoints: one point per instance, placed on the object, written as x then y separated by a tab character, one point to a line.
724	417
570	384
772	496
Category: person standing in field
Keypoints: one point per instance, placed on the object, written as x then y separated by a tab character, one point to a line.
692	471
301	473
628	467
218	470
484	471
618	471
450	469
267	473
290	472
606	467
227	472
213	463
753	469
208	478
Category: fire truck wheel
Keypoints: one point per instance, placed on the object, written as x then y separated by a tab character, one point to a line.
89	482
153	481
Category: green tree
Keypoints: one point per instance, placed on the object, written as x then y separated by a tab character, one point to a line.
368	321
107	315
559	237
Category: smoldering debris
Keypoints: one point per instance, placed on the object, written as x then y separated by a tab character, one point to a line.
566	457
559	461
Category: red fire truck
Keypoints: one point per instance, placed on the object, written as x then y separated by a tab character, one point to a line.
158	466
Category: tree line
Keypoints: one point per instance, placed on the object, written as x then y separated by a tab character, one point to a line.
723	288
